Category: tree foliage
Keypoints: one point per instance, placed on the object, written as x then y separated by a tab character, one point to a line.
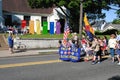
92	7
116	21
118	13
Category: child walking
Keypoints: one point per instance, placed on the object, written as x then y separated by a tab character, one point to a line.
89	51
96	51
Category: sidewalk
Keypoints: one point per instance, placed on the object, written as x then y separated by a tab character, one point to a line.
6	53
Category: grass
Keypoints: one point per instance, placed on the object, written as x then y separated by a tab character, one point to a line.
40	36
47	36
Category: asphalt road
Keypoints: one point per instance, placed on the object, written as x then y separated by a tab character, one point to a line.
48	67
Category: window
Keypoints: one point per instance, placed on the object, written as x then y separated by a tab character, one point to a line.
8	20
44	18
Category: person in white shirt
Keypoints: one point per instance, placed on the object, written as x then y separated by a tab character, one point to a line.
111	45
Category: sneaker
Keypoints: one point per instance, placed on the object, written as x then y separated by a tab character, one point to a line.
98	62
93	62
112	61
118	63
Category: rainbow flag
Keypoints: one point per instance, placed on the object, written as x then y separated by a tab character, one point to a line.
88	28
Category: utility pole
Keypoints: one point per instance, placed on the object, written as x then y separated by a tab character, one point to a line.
80	21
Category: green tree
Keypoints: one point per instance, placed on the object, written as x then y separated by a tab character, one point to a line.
118	13
116	21
116	3
92	7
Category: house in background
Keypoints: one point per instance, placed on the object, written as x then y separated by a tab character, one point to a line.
18	10
15	11
110	26
104	26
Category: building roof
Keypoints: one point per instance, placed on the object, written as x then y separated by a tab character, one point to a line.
112	26
98	25
22	6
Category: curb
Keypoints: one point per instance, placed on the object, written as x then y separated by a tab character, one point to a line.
29	53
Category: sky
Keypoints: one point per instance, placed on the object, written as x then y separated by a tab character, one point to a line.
110	15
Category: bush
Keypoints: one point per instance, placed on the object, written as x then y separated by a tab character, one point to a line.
98	33
108	32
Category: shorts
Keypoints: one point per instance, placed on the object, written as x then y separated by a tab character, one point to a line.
97	53
90	52
10	46
117	51
112	52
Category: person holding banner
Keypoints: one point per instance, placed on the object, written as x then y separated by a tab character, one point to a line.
75	37
68	43
75	52
84	43
73	44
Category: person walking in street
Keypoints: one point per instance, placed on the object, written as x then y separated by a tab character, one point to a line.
96	51
118	51
89	51
111	45
105	44
10	42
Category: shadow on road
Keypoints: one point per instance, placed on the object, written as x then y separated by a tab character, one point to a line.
117	77
19	51
103	59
